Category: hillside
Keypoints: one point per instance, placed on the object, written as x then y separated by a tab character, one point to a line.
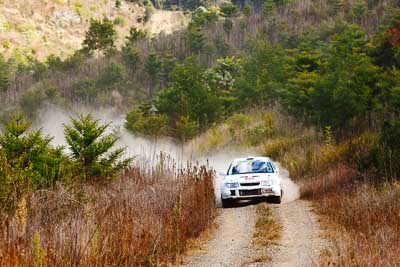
58	27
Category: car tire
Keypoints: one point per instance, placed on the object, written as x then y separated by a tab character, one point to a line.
226	203
277	199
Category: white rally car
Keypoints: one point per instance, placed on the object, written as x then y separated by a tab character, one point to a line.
251	177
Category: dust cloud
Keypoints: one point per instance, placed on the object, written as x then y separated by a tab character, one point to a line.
52	120
290	189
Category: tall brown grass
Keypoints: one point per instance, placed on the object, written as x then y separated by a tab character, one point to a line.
143	218
365	217
361	209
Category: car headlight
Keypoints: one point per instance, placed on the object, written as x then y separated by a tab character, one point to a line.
231	185
267	183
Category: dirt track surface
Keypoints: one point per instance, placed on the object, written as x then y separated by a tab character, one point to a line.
300	243
231	245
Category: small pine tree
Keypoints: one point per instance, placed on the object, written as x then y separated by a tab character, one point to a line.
195	39
228	25
229	10
90	148
131	56
135	35
268	8
153	65
336	6
4	74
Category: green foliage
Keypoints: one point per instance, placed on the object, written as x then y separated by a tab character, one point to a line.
113	77
265	70
131	56
387	51
228	25
203	18
186	128
146	123
229	10
30	154
247	9
153	65
90	146
85	91
38	251
100	37
338	89
119	21
135	35
187	95
268	8
264	131
4	74
221	78
195	40
99	91
237	123
358	11
14	183
390	140
35	99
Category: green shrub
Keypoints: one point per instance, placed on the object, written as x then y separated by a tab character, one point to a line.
237	124
4	74
390	141
119	21
262	132
186	128
146	123
31	101
101	36
30	153
90	147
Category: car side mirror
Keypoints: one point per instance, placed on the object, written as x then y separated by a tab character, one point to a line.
223	174
277	170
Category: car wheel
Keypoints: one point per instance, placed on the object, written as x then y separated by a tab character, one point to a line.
226	203
277	199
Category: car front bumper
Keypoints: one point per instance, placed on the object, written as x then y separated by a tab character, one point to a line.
248	192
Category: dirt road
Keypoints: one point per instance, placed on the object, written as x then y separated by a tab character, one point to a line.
231	245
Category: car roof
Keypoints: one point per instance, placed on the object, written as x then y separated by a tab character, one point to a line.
252	158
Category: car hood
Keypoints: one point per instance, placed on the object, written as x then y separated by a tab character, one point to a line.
250	177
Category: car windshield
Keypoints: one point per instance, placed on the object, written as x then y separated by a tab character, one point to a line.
251	166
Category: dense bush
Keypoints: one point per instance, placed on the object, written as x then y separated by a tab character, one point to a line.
90	147
146	123
30	154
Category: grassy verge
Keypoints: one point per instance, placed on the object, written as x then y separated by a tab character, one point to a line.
144	218
267	231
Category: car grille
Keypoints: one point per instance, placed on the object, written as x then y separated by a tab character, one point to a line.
253	192
249	184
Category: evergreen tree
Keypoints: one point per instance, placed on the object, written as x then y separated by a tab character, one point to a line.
100	37
4	74
268	8
90	146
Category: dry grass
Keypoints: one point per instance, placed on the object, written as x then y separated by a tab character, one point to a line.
364	217
40	28
144	218
267	231
367	224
